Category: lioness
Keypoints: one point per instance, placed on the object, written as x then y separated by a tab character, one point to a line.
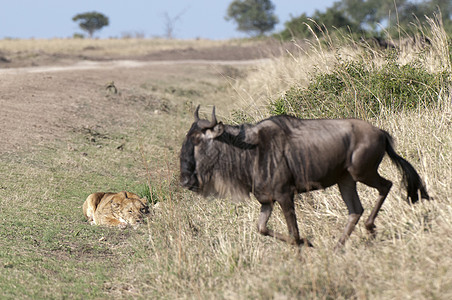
120	209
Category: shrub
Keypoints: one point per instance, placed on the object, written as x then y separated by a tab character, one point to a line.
358	89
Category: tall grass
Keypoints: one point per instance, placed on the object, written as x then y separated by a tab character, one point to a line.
410	256
336	76
209	248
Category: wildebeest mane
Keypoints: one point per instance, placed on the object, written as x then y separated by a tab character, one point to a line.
237	140
229	169
252	151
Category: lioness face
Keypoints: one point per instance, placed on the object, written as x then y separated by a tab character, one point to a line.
130	210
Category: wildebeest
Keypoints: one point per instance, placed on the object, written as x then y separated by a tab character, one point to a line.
283	155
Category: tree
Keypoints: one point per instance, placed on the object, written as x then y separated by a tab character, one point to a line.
372	17
170	23
371	14
254	17
332	18
91	21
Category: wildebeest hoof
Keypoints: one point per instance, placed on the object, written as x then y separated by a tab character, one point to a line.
370	227
309	244
305	242
371	230
338	247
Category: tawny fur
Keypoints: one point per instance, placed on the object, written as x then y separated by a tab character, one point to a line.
115	209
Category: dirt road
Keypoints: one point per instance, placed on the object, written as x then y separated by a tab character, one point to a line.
109	65
41	103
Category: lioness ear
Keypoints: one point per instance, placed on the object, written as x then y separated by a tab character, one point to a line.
144	201
216	131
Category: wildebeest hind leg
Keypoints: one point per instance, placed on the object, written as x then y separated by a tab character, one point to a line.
383	186
347	187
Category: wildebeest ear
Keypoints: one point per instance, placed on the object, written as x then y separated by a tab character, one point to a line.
252	136
216	131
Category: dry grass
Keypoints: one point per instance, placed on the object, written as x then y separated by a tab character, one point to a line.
209	248
410	257
212	249
107	47
323	53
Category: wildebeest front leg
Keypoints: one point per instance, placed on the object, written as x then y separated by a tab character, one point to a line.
289	214
288	209
266	211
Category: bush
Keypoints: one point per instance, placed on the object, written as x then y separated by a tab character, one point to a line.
78	36
358	89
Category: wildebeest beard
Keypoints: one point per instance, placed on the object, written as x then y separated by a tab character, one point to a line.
188	178
226	163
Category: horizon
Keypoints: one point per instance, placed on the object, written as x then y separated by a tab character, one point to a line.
49	19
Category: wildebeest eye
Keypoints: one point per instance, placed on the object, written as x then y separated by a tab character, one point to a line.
196	139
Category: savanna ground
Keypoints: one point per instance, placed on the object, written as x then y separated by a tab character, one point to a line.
64	135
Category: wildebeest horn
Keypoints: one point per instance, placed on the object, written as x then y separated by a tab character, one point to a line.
214	118
204	124
196	113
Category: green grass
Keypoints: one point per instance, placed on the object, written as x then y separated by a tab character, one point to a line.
48	250
47	246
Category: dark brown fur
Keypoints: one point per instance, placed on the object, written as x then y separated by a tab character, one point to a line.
281	156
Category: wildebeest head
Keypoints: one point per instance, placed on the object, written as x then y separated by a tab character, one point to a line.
201	132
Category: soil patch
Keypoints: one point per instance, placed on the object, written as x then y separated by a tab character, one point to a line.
40	104
46	95
254	51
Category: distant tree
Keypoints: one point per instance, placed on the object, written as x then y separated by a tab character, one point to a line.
254	17
371	14
441	7
170	23
91	21
332	18
370	17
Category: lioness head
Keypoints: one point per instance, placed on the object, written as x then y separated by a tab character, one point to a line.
129	209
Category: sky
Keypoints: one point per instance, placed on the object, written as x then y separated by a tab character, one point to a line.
47	19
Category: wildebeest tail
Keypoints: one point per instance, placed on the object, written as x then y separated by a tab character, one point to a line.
411	178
